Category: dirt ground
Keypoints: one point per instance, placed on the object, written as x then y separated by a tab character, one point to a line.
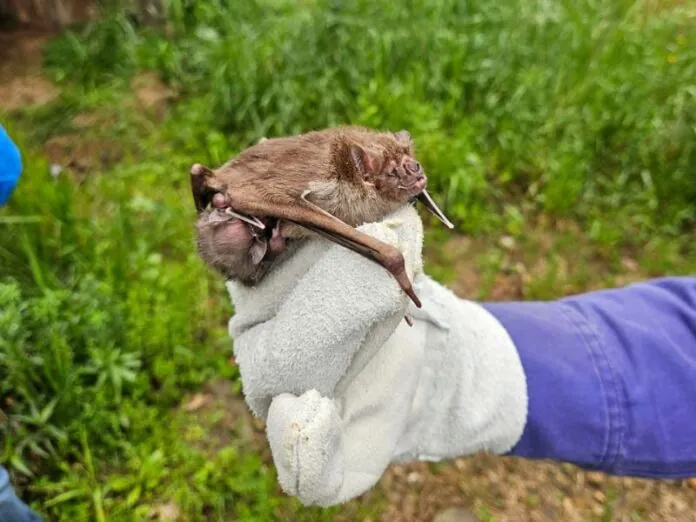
493	488
484	487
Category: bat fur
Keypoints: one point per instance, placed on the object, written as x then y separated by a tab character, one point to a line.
256	208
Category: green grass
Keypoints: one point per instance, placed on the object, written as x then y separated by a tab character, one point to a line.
580	112
579	108
107	321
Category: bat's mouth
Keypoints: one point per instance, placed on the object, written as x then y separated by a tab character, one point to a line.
418	185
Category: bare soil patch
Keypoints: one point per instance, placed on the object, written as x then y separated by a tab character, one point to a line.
21	82
151	94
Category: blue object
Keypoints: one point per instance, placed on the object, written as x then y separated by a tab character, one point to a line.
11	508
611	377
10	166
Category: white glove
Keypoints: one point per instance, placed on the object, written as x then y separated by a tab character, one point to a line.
346	387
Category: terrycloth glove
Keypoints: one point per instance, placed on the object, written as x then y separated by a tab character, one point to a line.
346	387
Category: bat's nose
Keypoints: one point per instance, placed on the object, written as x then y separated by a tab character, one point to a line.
413	166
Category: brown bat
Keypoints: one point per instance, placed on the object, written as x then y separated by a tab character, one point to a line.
254	208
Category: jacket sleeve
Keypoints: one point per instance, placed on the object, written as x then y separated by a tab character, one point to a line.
611	377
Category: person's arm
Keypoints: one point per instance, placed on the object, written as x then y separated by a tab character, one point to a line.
611	377
10	166
606	380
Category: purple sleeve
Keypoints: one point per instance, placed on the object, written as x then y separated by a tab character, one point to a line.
611	377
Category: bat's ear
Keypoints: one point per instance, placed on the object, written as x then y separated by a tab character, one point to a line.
403	136
367	162
258	250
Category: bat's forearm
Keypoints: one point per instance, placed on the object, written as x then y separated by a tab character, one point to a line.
306	214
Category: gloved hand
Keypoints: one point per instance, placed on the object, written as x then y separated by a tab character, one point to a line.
346	387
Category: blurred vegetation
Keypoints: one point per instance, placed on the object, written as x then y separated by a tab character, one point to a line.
577	107
581	111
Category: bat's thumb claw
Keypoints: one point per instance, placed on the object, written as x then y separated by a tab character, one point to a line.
425	198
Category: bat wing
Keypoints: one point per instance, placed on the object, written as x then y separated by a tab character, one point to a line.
310	216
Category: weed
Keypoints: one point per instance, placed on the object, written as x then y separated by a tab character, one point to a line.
578	108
